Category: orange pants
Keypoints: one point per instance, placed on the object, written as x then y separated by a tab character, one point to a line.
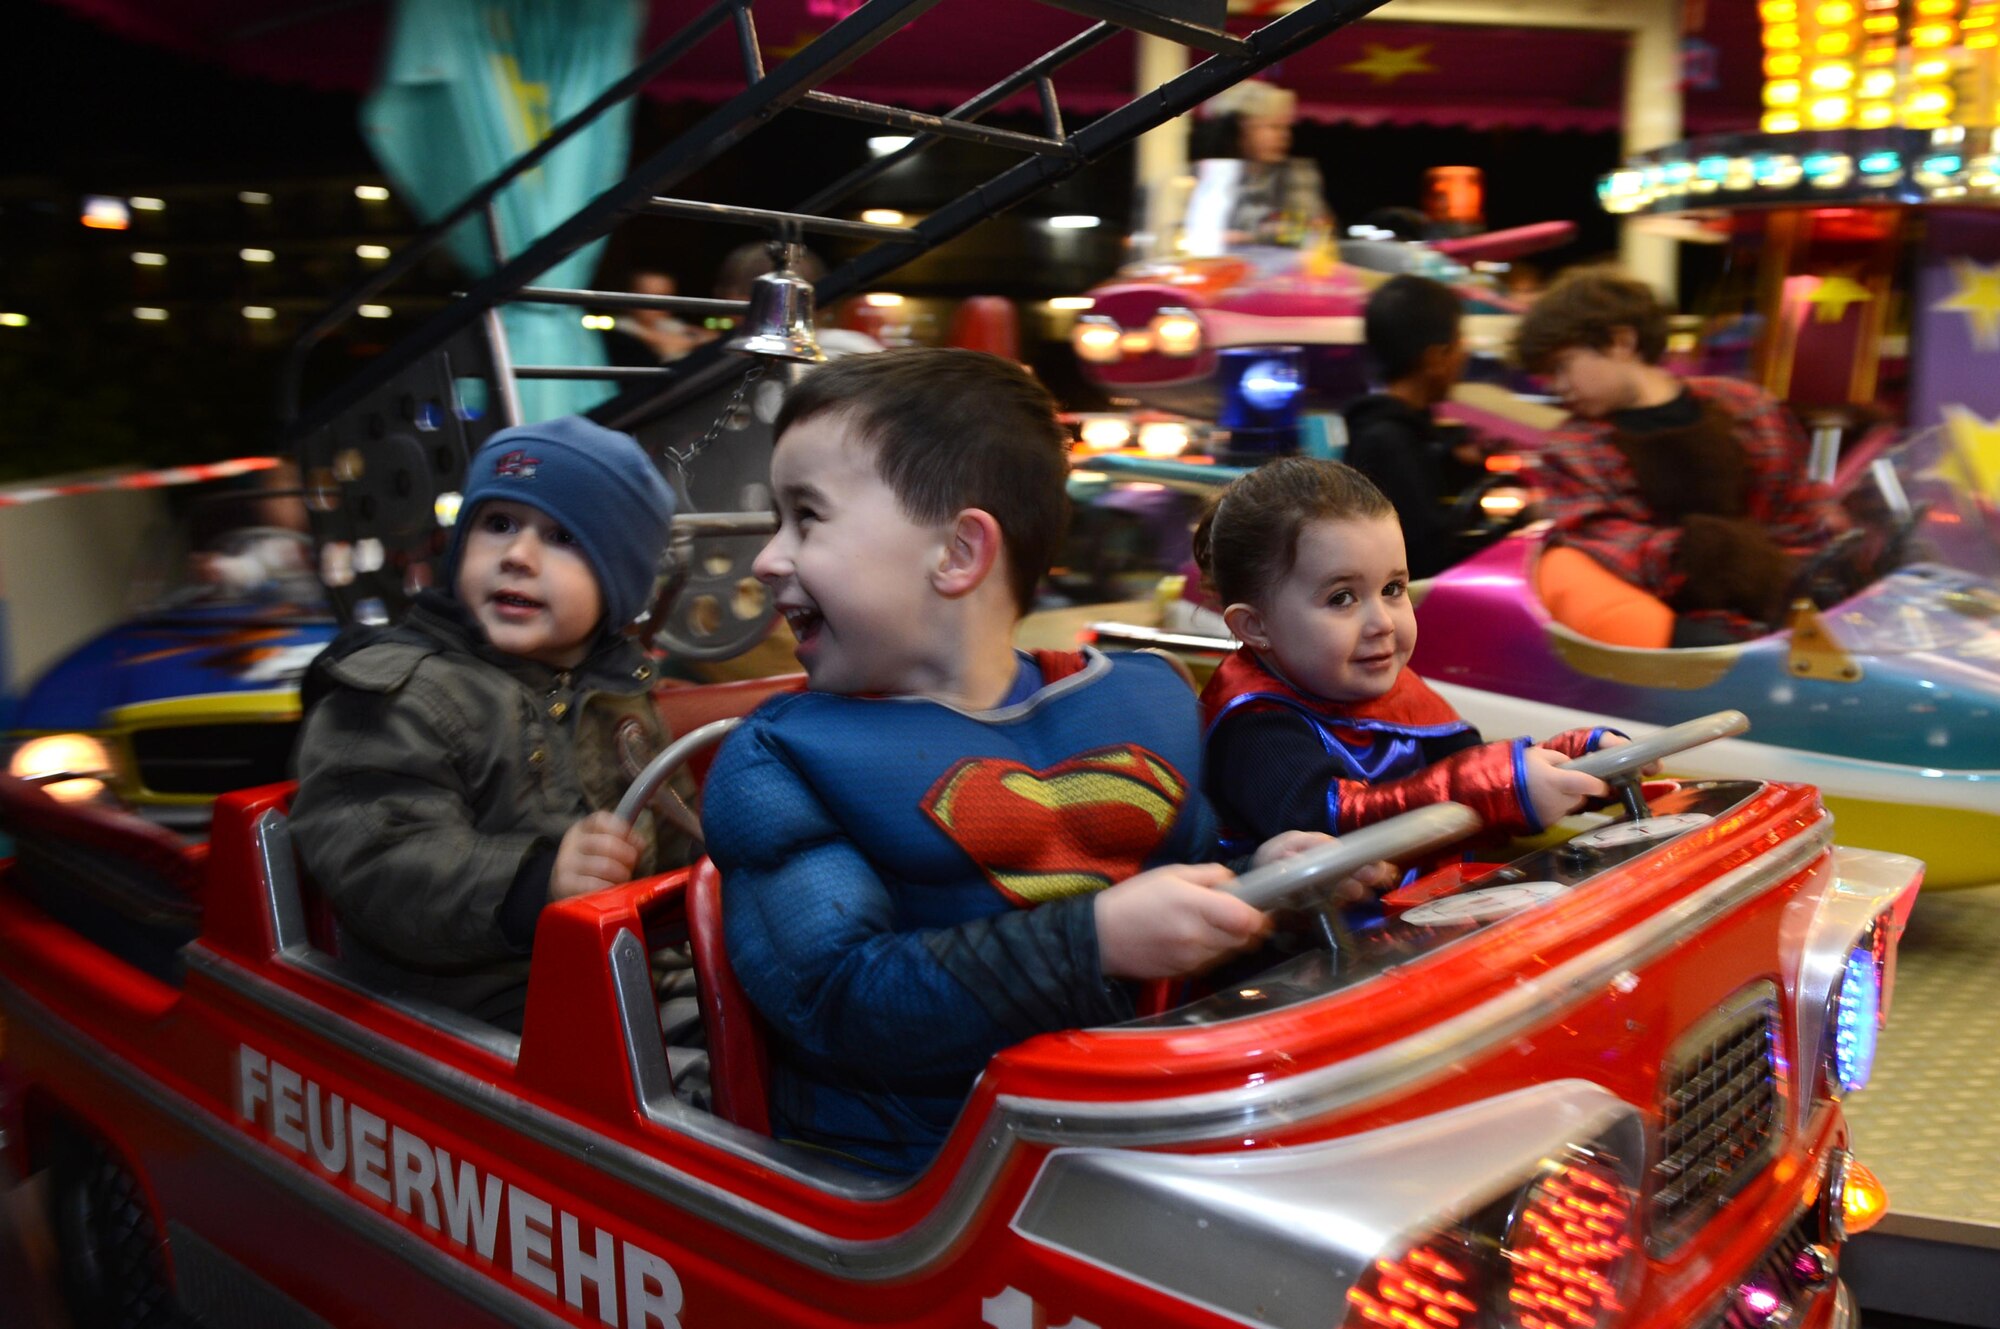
1588	598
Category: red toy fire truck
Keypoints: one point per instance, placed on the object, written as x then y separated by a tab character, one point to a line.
1599	1085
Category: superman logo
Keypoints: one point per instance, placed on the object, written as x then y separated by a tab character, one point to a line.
1076	827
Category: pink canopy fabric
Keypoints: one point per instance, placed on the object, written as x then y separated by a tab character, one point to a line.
1375	72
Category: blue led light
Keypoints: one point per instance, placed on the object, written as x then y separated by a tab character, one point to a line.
1712	168
1945	163
1820	163
1856	1014
1880	163
1270	385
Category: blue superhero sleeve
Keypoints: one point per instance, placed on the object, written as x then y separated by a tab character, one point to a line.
813	937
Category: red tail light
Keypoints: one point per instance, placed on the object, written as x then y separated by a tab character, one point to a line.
1430	1287
1570	1249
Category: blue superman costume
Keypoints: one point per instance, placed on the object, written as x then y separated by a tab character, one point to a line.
1282	759
907	887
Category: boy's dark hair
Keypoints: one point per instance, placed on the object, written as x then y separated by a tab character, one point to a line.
952	430
1583	308
1407	316
1249	536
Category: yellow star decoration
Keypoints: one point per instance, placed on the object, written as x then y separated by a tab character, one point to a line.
1386	65
1975	458
1978	298
1834	294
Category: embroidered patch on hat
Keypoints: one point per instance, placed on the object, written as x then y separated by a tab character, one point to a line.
517	464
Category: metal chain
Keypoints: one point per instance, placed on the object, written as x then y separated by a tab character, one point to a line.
684	458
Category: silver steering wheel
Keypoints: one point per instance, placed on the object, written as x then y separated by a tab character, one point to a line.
1424	829
669	761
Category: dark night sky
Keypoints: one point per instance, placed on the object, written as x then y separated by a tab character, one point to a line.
76	101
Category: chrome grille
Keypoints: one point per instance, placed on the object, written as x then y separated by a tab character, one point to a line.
1719	1108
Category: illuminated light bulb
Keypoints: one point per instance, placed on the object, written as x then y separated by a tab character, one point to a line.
1935	8
1863	1200
1832	76
1833	43
1875	115
1879	23
1931	102
1930	70
374	311
1778	11
882	217
1783	64
1780	122
1830	112
150	314
1072	302
1178	333
1931	35
882	300
1834	13
1104	433
1781	36
1876	85
1164	438
371	193
1781	92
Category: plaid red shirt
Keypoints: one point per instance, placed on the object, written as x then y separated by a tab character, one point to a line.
1591	495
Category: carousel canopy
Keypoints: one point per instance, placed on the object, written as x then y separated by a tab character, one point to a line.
1374	72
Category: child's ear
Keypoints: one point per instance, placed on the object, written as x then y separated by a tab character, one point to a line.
1624	343
972	548
1247	626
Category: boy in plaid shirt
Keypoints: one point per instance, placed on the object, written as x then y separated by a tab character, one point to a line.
1692	490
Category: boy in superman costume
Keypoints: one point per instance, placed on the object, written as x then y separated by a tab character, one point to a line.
946	846
1316	723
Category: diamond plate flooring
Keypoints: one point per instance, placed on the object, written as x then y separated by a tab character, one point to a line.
1928	1123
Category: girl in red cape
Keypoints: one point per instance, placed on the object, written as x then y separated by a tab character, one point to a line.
1318	723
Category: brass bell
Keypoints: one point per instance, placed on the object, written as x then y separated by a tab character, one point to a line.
780	321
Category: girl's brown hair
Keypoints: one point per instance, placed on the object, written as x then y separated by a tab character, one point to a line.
1249	536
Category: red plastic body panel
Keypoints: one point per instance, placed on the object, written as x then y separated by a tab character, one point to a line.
470	1189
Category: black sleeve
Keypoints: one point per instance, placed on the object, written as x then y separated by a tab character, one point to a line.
1267	772
1394	460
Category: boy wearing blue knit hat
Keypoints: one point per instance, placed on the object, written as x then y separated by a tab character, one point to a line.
456	770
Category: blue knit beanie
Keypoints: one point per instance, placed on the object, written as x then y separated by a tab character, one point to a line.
598	483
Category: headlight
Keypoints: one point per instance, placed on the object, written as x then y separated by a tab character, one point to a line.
1096	338
1164	438
1434	1282
1176	332
1570	1249
69	767
1857	1015
1104	433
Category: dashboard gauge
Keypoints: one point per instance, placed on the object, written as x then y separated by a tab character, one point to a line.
1638	832
1483	906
